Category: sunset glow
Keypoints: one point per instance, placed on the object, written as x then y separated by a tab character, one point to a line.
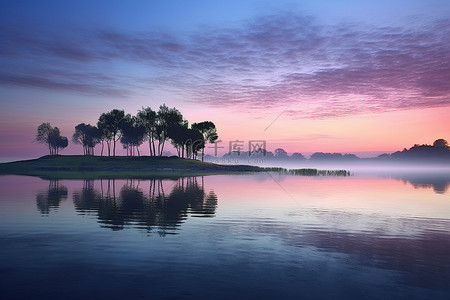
363	77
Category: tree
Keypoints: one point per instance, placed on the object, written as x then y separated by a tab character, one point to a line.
104	133
209	132
50	136
133	134
57	142
110	124
280	153
179	134
88	136
166	118
147	118
43	132
194	142
326	156
298	156
440	143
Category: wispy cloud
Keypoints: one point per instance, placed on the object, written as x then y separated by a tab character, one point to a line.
100	85
288	60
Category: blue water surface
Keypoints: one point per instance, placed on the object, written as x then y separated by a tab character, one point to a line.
262	236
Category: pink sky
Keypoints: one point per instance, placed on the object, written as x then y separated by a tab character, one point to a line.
357	77
382	132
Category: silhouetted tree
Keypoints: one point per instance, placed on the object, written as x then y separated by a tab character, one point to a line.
439	151
280	153
110	124
440	143
88	136
186	140
133	134
43	132
297	156
194	142
350	156
104	134
166	118
178	134
57	141
209	132
147	118
50	136
326	156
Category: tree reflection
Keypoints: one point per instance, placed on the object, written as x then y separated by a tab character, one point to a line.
439	182
439	186
163	209
50	199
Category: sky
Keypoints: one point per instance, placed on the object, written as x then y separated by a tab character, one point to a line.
348	76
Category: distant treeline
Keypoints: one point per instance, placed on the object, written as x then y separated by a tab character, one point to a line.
437	151
156	127
168	124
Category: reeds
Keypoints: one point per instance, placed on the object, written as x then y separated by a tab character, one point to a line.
309	172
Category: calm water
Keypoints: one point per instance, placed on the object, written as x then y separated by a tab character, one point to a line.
259	236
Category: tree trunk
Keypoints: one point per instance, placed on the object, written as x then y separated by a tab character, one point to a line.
150	146
153	144
162	148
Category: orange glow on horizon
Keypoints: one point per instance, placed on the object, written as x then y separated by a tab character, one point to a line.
388	131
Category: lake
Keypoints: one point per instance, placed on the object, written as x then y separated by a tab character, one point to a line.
256	236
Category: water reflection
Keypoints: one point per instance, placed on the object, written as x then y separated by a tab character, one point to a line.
284	237
438	180
165	206
50	199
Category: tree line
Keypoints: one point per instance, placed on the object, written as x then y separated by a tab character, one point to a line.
155	127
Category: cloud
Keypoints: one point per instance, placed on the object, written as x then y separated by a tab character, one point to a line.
288	60
67	82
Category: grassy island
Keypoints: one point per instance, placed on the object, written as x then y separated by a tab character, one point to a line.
87	166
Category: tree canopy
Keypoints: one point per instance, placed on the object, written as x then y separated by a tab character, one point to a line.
88	136
156	127
133	134
51	136
147	118
440	143
110	124
165	119
208	131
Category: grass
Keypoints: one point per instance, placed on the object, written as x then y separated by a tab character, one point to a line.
309	172
92	167
80	166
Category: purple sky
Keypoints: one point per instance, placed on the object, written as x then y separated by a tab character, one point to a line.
66	63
